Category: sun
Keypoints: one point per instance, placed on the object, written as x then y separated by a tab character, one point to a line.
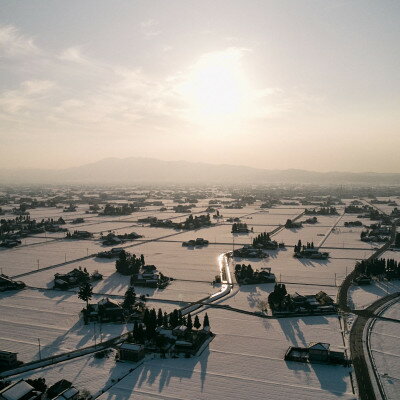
215	88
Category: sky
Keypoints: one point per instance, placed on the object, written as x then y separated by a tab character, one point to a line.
305	84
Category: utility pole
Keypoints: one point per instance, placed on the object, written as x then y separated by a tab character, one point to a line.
40	353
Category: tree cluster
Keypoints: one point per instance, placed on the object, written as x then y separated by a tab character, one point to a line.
300	247
124	209
240	227
278	295
129	264
321	211
388	268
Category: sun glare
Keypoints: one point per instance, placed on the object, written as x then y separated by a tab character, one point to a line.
216	87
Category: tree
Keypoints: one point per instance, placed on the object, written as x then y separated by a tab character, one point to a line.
206	321
160	317
85	293
196	323
189	323
130	299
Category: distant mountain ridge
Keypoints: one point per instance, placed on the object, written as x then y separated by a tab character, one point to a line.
148	171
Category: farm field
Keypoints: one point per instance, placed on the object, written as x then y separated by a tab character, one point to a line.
384	343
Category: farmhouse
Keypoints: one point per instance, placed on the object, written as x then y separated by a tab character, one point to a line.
131	352
20	390
315	353
8	360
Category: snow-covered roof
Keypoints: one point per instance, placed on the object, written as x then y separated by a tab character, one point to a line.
183	343
68	394
319	346
16	391
131	346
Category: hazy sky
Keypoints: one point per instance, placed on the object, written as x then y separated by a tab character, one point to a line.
310	84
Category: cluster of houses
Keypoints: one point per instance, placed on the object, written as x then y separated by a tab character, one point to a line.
283	304
290	224
316	353
80	235
74	278
112	239
351	224
13	229
28	390
321	211
376	233
175	342
240	227
309	251
199	242
149	276
113	253
7	283
248	251
245	275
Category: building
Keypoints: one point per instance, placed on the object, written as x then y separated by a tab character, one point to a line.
131	352
8	284
8	360
20	390
62	390
179	331
316	352
319	351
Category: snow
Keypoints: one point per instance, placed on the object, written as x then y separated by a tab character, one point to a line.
244	359
52	317
385	344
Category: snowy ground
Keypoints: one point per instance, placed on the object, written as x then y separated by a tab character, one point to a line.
52	317
244	360
385	345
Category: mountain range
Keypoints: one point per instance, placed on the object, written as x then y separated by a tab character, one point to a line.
152	171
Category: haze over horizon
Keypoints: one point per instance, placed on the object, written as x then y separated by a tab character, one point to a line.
273	85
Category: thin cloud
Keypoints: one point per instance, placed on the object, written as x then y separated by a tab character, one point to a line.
74	54
14	44
150	28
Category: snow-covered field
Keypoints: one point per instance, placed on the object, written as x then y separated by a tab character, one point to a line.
52	317
385	345
245	360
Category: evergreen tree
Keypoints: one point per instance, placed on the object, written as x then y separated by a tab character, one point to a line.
160	317
206	321
189	323
196	323
130	299
85	293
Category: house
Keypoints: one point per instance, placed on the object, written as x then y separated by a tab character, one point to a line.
131	352
62	390
362	280
8	360
109	310
8	284
20	390
319	351
70	279
179	331
316	352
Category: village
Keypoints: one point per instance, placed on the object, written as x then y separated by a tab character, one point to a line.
134	292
